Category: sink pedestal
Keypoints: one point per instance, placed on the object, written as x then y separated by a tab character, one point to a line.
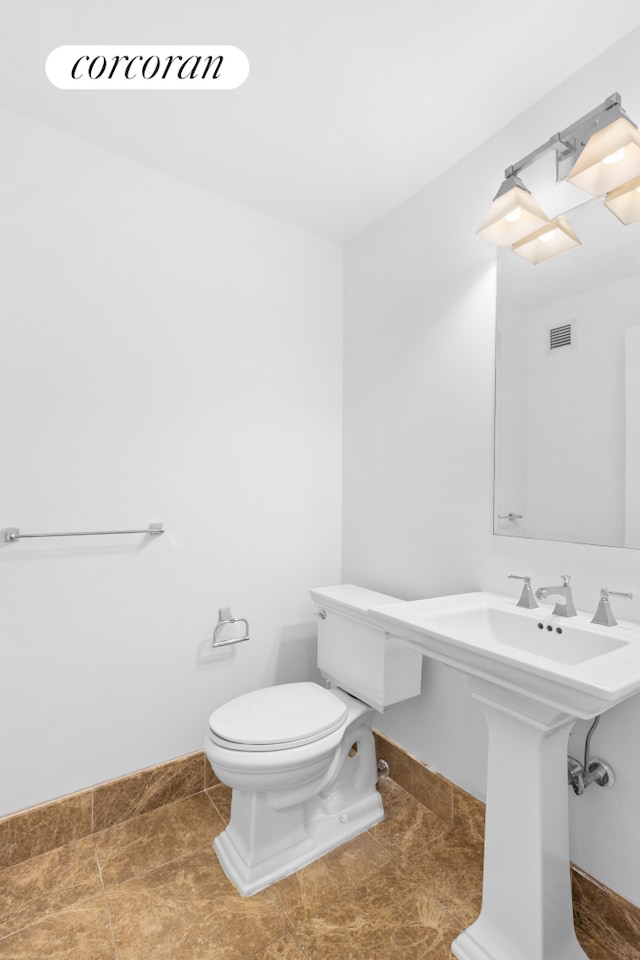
527	910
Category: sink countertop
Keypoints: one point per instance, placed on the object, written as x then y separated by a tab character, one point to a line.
592	669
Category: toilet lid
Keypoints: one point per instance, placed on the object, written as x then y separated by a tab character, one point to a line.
288	715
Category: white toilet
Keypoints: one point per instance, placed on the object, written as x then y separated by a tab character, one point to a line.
300	758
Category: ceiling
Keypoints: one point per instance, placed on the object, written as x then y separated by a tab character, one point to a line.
351	106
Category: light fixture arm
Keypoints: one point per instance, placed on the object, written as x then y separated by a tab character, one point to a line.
551	144
569	143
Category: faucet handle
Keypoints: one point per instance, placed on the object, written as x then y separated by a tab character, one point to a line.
604	614
565	581
527	599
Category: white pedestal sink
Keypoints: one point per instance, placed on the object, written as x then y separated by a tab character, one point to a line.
533	674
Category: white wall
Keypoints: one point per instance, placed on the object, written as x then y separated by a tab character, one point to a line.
419	361
166	356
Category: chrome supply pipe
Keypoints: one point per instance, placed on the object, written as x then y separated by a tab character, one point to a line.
581	775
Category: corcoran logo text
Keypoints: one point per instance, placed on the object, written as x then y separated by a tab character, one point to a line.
96	67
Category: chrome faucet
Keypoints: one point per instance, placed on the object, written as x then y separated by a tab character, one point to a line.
564	607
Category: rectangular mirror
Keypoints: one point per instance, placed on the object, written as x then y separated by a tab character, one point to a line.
567	432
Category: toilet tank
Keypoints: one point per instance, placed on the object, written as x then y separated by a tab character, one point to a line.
356	654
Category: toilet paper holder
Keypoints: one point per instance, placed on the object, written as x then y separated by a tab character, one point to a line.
224	618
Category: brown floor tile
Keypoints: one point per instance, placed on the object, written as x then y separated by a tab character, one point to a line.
595	950
401	891
221	798
136	846
395	917
188	909
286	948
408	825
333	876
147	790
47	884
39	829
606	918
452	868
80	933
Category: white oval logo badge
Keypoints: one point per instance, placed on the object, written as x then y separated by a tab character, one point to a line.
130	67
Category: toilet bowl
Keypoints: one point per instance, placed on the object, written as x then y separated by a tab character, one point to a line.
299	758
295	799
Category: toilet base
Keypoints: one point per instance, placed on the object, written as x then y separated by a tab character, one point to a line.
323	833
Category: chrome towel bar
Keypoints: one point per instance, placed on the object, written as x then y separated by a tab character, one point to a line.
224	617
12	534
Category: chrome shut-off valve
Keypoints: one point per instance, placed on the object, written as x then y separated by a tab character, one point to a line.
582	775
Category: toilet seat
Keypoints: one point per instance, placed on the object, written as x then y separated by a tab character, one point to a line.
277	718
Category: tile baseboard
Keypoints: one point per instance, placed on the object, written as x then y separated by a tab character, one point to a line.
441	796
608	917
36	830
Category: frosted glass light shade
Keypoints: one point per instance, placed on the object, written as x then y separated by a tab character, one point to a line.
552	239
610	158
624	202
511	216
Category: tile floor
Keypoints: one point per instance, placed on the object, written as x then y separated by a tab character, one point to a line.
151	888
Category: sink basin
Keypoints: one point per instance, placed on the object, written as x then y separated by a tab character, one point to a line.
566	662
483	623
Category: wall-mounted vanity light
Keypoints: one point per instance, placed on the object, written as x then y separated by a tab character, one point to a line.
611	156
554	238
599	153
624	202
513	214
